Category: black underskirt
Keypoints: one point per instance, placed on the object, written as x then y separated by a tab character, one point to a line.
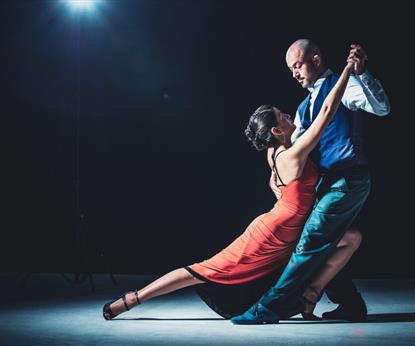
233	300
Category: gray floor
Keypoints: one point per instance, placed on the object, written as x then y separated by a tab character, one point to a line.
50	311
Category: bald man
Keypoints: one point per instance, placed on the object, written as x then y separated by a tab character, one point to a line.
341	192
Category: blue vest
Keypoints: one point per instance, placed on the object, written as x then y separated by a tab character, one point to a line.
341	145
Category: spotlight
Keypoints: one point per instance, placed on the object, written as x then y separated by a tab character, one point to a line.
82	5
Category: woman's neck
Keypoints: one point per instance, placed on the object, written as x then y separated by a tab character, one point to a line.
286	144
283	146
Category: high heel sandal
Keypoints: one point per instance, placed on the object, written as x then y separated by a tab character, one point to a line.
108	314
309	316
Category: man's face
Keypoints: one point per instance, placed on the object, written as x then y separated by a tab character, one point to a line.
303	68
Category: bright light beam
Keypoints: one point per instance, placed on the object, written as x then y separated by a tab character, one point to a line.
82	5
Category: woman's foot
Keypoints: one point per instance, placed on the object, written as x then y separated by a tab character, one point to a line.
310	298
120	305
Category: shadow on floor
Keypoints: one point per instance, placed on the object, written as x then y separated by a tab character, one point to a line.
373	318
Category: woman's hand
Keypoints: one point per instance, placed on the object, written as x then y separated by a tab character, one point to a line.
273	185
357	58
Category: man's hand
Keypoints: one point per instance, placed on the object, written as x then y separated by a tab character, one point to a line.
359	56
273	185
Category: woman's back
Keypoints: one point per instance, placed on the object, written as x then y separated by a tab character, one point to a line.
295	179
269	240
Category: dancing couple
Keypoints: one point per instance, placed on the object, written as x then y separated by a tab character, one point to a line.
286	258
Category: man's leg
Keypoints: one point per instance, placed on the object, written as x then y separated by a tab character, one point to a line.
338	202
341	290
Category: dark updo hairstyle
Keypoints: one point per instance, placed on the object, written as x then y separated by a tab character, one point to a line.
259	127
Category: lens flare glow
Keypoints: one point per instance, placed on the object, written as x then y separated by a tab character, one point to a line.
82	5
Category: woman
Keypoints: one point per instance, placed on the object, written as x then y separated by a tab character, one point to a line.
252	261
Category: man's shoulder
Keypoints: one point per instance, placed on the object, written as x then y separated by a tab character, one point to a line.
303	102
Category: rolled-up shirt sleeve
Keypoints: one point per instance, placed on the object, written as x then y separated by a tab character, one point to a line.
366	93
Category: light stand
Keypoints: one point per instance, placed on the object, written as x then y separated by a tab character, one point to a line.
81	228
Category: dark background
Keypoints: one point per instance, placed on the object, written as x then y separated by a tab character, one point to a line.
163	91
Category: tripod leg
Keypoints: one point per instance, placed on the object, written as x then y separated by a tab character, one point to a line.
113	279
107	268
91	282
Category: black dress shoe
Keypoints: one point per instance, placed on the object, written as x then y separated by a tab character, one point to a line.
353	311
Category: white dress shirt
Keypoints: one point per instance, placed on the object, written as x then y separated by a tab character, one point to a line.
362	92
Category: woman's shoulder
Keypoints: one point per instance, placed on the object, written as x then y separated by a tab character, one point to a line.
283	154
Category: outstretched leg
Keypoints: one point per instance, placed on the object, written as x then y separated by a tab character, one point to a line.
169	282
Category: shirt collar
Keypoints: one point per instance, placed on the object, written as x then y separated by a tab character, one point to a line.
320	81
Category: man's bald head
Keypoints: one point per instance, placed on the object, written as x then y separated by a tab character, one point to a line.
305	47
304	60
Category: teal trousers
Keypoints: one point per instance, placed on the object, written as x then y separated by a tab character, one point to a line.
340	197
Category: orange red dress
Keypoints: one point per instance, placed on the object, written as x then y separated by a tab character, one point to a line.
268	242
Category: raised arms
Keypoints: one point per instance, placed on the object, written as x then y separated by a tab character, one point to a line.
363	91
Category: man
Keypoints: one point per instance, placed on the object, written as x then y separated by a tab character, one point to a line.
341	191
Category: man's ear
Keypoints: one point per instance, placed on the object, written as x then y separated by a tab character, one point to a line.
316	60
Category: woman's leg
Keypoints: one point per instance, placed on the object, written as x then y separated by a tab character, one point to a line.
169	282
338	259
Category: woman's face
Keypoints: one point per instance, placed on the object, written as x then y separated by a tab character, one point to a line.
284	122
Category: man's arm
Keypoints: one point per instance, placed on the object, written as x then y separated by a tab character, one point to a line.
363	91
299	129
